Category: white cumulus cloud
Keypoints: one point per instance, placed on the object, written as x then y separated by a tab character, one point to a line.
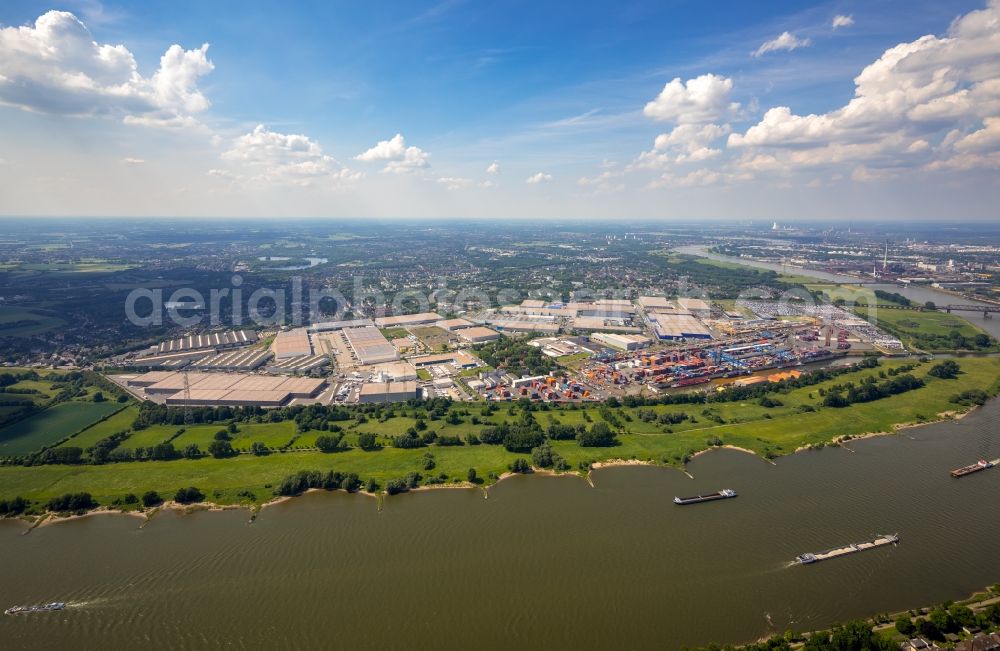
784	41
540	177
841	20
397	156
133	161
493	168
686	143
55	66
293	159
703	99
916	91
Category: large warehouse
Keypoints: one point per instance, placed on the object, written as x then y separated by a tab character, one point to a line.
677	326
387	392
478	334
620	341
370	346
292	343
217	389
214	340
407	319
243	359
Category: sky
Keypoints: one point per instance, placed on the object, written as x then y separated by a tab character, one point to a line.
878	110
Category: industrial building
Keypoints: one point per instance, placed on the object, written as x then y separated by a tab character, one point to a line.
603	308
459	359
234	360
654	303
233	389
369	345
694	305
620	341
454	324
298	365
394	372
407	319
292	343
374	392
214	340
524	325
330	326
170	360
478	334
550	311
602	323
681	325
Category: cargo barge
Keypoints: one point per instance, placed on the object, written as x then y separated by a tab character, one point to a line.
982	464
44	608
880	540
724	494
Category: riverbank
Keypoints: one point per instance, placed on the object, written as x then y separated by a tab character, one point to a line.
886	627
799	422
47	518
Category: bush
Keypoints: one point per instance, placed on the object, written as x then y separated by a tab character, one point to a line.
520	465
544	457
72	502
327	443
598	436
970	397
258	449
366	441
522	439
151	499
221	448
394	486
905	625
188	495
16	506
946	370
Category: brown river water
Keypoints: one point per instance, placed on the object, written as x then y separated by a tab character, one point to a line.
544	562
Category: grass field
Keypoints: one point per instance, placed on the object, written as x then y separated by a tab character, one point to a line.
115	423
777	430
145	438
273	435
920	329
50	426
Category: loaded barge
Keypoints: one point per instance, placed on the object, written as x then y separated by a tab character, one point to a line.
878	541
44	608
725	493
982	464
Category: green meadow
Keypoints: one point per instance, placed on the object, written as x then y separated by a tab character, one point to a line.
51	426
800	420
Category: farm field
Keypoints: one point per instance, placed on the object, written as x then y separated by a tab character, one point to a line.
50	426
118	422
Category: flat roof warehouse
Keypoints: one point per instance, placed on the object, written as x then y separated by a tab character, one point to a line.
218	389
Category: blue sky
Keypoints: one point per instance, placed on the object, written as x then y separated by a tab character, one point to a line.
565	98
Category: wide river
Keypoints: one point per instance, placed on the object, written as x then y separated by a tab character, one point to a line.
544	562
917	293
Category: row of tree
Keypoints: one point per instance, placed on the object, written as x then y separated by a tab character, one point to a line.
870	390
